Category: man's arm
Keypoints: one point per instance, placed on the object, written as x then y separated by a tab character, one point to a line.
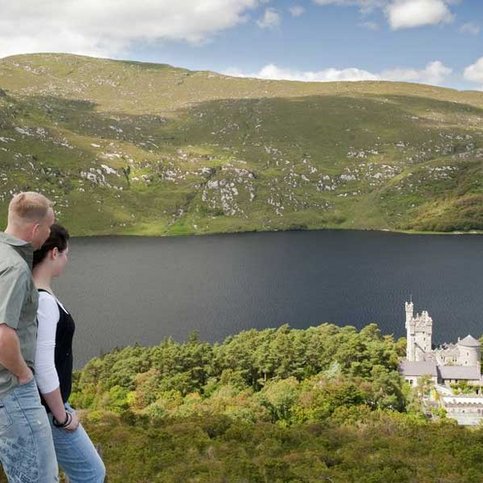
10	355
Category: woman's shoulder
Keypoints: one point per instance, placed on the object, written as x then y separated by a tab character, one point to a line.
46	296
48	303
49	299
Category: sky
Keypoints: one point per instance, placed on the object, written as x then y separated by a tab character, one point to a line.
438	42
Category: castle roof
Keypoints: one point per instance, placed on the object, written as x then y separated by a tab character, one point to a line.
418	368
469	341
468	373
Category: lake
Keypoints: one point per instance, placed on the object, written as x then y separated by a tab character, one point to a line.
123	290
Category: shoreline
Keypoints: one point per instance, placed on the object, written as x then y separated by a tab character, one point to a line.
215	233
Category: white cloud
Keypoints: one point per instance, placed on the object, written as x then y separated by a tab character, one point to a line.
416	13
271	19
271	71
470	28
402	13
296	10
335	2
434	73
369	25
106	27
362	4
474	72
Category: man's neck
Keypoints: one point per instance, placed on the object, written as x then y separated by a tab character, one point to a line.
17	233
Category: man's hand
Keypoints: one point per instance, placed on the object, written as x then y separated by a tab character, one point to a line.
26	377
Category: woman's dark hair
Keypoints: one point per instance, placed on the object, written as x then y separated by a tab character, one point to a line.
58	238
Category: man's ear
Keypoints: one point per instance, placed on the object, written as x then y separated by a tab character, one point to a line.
34	230
54	253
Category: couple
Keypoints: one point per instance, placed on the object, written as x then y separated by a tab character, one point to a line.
36	336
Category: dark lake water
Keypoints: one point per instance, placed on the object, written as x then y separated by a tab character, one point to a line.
123	290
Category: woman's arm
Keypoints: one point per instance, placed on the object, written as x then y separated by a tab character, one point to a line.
56	405
45	372
54	400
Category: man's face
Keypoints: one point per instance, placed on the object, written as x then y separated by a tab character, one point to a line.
42	230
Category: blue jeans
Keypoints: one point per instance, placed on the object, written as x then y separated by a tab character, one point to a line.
76	454
26	448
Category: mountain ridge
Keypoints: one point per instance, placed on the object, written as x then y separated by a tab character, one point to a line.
132	148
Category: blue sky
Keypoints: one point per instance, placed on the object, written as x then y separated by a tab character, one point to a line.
433	41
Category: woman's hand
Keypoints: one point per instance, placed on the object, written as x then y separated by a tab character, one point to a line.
70	422
74	422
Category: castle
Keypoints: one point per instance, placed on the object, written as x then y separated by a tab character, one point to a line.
419	329
446	365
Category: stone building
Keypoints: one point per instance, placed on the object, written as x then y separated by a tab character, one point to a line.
467	410
447	364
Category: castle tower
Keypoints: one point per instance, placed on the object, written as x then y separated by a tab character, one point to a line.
409	306
469	351
410	355
419	330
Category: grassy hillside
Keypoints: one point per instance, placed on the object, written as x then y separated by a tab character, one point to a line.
127	147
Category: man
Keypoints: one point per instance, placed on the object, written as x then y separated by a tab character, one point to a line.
26	447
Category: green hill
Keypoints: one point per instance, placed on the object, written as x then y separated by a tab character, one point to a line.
135	148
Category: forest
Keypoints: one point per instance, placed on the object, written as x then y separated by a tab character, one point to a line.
325	403
322	404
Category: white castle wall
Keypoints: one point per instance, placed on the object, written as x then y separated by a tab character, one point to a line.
468	356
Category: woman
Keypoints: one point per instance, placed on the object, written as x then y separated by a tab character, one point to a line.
75	452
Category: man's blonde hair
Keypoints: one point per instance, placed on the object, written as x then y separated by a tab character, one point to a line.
28	207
